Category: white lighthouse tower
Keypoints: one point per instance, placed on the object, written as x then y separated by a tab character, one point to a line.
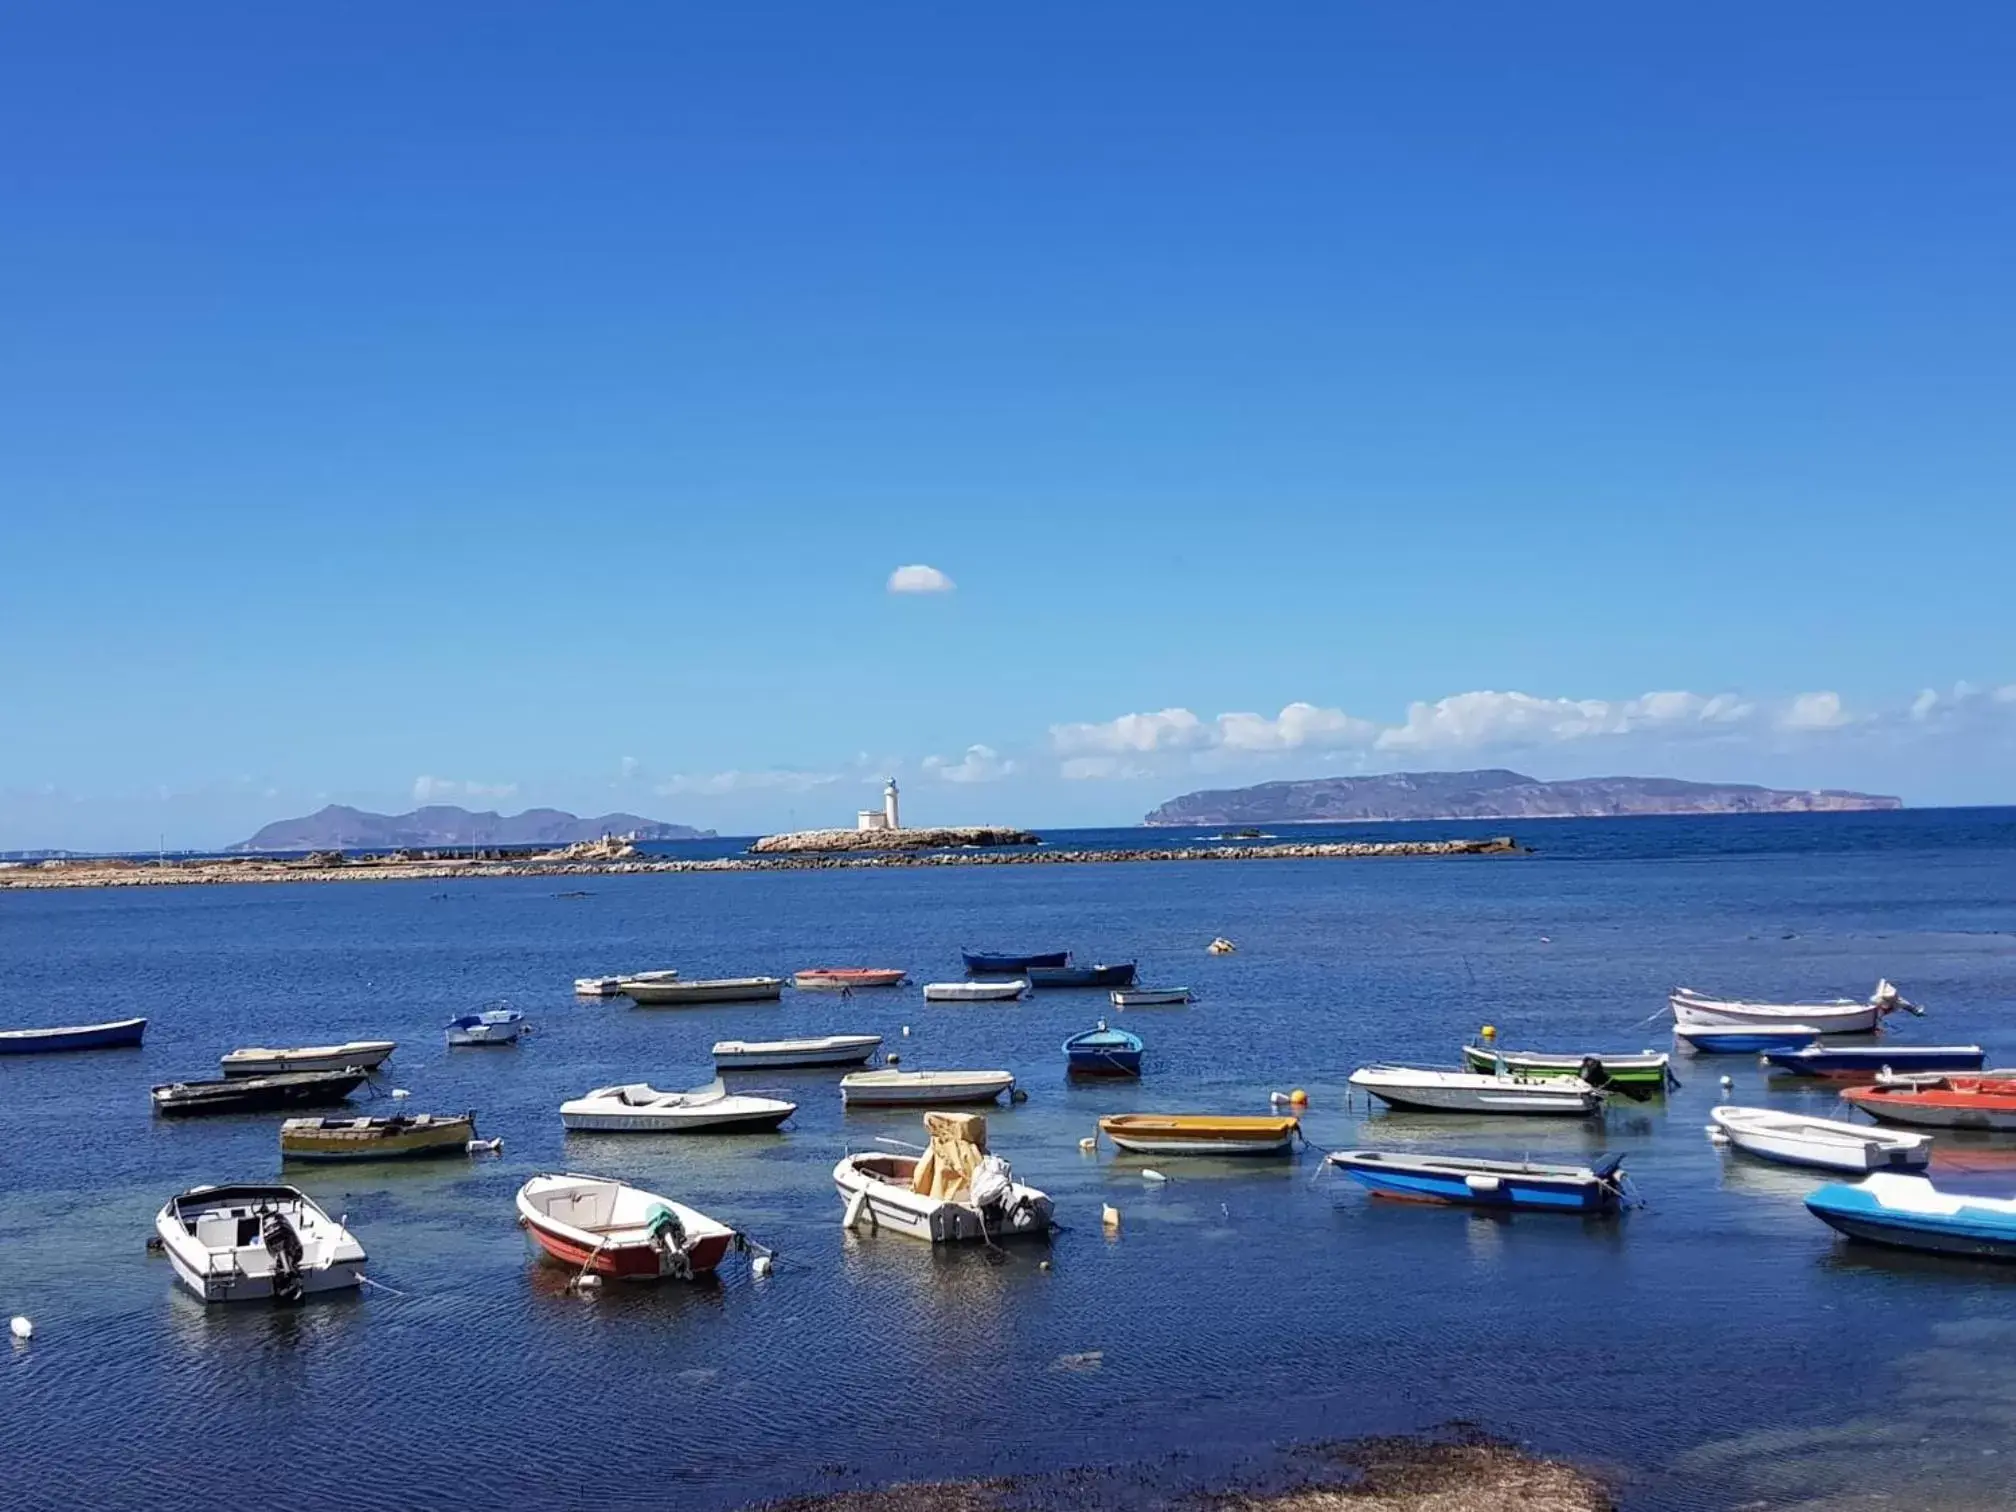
889	815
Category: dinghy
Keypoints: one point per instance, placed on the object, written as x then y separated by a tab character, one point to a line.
362	1055
985	963
257	1094
1868	1062
1103	1052
1150	997
612	986
1200	1133
640	1108
1647	1068
1121	975
118	1034
830	1050
1422	1090
494	1026
600	1225
1841	1016
1825	1143
975	992
1705	1039
954	1192
1909	1212
256	1244
671	994
848	978
1597	1188
897	1089
400	1137
1943	1102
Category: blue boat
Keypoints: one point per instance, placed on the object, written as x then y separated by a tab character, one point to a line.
980	963
1866	1062
1597	1188
1104	1052
1719	1040
120	1034
495	1026
1909	1212
1121	975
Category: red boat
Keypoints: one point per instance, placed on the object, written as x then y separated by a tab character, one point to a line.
846	978
1941	1102
596	1223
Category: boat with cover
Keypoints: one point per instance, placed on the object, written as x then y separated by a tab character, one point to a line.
848	978
1909	1212
612	986
975	992
1825	1143
255	1244
988	963
1200	1133
360	1055
257	1094
610	1228
117	1034
1103	1052
1867	1062
402	1136
1524	1185
954	1192
493	1026
828	1050
1646	1068
897	1089
1120	975
640	1108
1840	1016
668	994
1941	1102
1705	1039
1150	997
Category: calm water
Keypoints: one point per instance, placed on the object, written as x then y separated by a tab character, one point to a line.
1719	1347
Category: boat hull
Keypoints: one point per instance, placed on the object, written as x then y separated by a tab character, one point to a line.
1706	1040
486	1034
693	994
1853	1211
255	1094
1119	1064
1936	1110
1823	1144
975	992
848	979
120	1034
628	1262
1866	1063
1150	997
1846	1018
848	1050
1647	1070
636	1255
363	1055
886	1208
1418	1091
413	1141
243	1270
1199	1135
1082	976
855	1094
1483	1183
642	1121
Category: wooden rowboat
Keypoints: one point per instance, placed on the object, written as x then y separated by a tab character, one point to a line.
598	1224
1200	1133
1597	1188
115	1035
1646	1068
363	1055
400	1137
848	978
1824	1143
653	994
1945	1102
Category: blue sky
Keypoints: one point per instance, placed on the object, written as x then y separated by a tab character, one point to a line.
515	405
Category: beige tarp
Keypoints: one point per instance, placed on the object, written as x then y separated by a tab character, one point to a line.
958	1145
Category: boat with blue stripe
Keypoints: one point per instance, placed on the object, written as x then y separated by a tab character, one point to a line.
119	1034
1909	1212
1104	1052
1704	1039
1521	1185
1867	1062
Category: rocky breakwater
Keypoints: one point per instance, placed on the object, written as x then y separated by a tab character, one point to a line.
831	841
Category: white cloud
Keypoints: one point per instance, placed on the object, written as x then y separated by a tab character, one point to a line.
1099	768
1471	720
717	784
1814	711
1170	730
919	579
1298	726
629	766
444	789
979	764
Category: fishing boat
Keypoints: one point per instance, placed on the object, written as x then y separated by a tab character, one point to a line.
360	1055
256	1244
1200	1133
975	992
118	1034
1704	1039
828	1050
986	963
848	978
897	1089
493	1026
257	1094
1909	1212
1103	1052
1597	1188
640	1108
1942	1102
1423	1090
1840	1016
1646	1068
595	1224
673	994
953	1193
1149	997
1867	1062
1121	975
612	986
402	1136
1825	1143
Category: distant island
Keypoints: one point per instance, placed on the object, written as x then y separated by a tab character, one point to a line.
339	827
1493	794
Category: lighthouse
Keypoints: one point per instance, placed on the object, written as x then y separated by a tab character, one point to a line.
889	815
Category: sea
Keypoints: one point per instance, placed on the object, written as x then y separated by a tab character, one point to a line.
1717	1347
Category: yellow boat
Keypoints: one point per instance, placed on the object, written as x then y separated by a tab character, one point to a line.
394	1138
1200	1133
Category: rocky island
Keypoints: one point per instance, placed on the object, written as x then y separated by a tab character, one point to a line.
954	837
339	827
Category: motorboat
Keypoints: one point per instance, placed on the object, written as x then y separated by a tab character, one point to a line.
1840	1016
1121	975
1825	1143
827	1050
257	1094
256	1244
1524	1185
493	1026
1909	1212
988	963
1707	1039
1200	1133
612	986
848	978
673	994
399	1137
1941	1102
117	1034
598	1225
955	1192
1149	997
640	1108
898	1089
1650	1069
976	992
1867	1062
1422	1090
362	1055
1103	1052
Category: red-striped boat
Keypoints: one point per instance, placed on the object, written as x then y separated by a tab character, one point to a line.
847	978
1987	1101
599	1224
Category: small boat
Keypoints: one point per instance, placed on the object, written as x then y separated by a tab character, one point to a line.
1422	1090
654	994
1121	975
1794	1139
256	1244
897	1089
402	1136
1841	1016
1647	1068
612	986
118	1034
258	1094
1708	1040
1200	1133
1149	997
640	1108
362	1055
983	963
1867	1062
1597	1188
848	978
493	1026
1942	1102
1103	1052
829	1050
600	1225
955	1192
1909	1212
975	992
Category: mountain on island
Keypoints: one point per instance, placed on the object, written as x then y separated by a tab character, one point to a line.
339	827
1494	794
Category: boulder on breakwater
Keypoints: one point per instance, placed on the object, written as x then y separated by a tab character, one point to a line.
943	838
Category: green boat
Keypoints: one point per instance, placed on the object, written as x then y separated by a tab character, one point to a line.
1648	1068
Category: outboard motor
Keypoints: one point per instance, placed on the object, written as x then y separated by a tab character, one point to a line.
284	1245
1593	1073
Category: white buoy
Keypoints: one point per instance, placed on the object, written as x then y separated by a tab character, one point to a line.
1277	1098
906	1031
401	1092
1089	1143
892	1059
1109	1218
587	1283
20	1327
1728	1082
1152	1175
760	1265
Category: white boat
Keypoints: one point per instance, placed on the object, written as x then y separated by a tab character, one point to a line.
830	1050
612	986
953	1193
1794	1139
640	1108
595	1223
983	991
1149	997
1840	1016
494	1026
895	1089
655	993
1431	1091
256	1243
361	1054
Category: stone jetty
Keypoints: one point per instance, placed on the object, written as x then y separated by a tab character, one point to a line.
827	841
